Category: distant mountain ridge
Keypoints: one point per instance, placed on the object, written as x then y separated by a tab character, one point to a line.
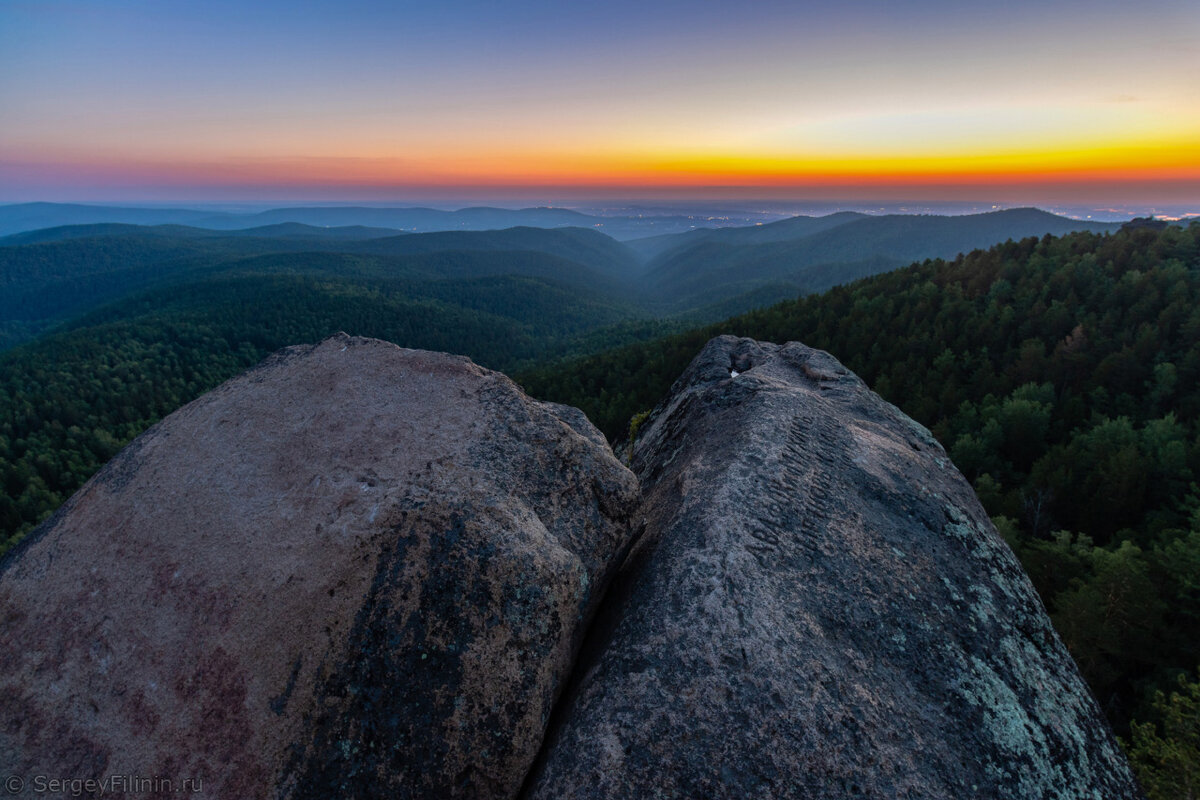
21	217
810	254
590	246
649	234
699	276
48	276
291	230
31	216
783	230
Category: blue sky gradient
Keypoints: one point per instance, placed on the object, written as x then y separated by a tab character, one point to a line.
159	97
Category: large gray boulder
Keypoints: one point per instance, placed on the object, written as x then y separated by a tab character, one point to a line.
819	608
354	571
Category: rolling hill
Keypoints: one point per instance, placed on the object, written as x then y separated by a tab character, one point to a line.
282	230
807	254
20	217
51	275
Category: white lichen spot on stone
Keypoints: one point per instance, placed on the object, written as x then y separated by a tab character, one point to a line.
959	531
1008	723
954	595
983	609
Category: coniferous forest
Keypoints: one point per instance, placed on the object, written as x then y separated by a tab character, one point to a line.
1062	375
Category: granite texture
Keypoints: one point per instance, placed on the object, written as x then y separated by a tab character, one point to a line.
819	608
354	571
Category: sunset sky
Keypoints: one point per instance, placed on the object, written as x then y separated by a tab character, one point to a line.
158	100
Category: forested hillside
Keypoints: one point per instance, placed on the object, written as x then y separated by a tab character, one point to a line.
30	216
1063	377
70	400
807	254
50	276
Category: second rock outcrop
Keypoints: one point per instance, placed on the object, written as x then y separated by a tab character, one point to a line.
819	608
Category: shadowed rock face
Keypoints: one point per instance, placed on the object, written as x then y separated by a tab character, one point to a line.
819	607
354	571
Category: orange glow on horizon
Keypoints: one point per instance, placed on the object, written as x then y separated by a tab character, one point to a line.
712	174
151	99
1169	161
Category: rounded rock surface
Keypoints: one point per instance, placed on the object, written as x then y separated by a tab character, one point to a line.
355	570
